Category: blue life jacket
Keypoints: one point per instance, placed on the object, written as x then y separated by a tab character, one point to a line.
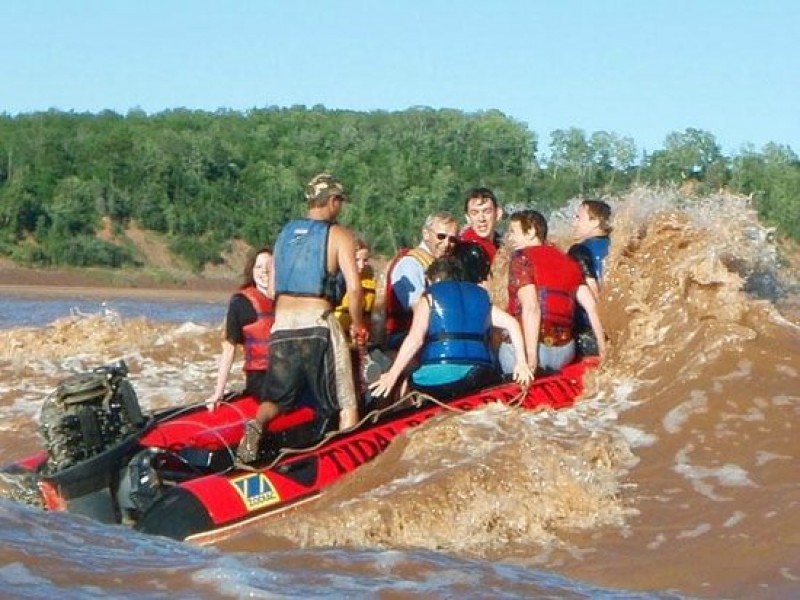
460	324
598	248
301	260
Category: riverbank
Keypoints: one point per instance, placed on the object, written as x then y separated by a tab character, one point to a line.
105	283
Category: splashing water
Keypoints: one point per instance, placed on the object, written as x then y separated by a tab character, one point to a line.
676	471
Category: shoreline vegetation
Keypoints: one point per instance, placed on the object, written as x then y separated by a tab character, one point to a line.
113	191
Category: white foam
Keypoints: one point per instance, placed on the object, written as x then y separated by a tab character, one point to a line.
696	532
736	518
763	457
784	400
637	438
702	478
698	403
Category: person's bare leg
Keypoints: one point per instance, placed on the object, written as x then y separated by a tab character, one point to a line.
348	417
266	412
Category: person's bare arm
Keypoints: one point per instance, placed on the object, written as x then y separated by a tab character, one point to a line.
587	300
224	369
345	245
408	349
593	286
531	322
503	320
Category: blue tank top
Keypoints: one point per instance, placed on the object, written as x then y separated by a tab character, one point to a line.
598	248
459	327
301	260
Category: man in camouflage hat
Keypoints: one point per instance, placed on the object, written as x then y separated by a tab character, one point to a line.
307	347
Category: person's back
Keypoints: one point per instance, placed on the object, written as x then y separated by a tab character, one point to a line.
451	327
591	229
308	350
457	340
557	278
301	264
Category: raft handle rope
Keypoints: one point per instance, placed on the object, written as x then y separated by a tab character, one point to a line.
415	398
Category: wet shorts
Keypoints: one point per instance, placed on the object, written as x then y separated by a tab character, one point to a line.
300	359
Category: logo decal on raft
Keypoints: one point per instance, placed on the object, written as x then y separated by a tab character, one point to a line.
351	454
256	491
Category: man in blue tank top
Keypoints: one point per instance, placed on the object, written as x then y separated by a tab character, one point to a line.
591	227
308	349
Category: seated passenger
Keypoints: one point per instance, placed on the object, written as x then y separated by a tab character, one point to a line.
405	275
483	213
368	284
451	324
591	229
544	287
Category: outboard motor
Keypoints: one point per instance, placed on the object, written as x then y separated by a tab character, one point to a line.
87	414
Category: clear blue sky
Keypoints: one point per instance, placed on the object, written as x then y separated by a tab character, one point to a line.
639	68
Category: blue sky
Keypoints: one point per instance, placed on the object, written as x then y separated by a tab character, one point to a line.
639	68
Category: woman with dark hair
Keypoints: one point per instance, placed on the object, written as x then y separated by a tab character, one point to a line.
248	323
451	325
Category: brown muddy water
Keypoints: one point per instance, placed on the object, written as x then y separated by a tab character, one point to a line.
675	476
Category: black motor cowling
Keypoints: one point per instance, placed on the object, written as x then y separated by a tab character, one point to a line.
88	413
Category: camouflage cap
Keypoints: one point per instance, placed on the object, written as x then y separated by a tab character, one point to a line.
324	186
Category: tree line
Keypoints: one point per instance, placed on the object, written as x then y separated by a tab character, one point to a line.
204	178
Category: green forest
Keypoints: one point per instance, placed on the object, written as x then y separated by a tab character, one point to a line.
204	178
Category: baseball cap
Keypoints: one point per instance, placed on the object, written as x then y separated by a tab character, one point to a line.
324	186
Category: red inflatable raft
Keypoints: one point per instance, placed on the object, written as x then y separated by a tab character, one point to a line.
174	474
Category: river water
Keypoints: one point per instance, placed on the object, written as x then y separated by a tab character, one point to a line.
676	476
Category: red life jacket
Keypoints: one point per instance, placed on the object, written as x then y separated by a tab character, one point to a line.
489	245
557	278
398	319
257	333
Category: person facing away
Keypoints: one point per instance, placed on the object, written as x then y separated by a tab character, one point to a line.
451	325
308	349
483	213
405	275
366	276
251	312
591	228
544	287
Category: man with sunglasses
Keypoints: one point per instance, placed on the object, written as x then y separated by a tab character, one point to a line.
405	276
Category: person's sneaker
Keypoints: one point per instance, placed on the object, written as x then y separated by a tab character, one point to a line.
248	447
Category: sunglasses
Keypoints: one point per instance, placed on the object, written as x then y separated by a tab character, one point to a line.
443	236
